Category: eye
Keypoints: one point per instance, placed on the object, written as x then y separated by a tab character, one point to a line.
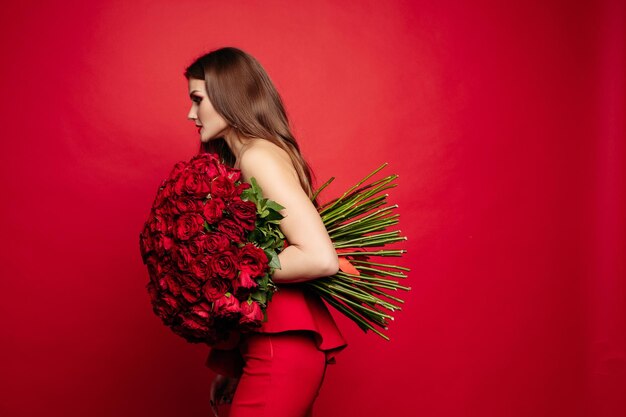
196	99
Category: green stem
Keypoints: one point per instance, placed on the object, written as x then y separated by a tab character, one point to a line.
395	252
367	227
359	261
376	290
352	210
382	272
361	321
365	310
343	287
370	278
356	185
375	214
321	188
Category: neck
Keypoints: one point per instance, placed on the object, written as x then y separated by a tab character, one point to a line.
237	144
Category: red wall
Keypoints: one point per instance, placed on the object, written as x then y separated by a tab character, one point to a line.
505	121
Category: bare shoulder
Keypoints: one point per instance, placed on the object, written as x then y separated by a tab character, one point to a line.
265	155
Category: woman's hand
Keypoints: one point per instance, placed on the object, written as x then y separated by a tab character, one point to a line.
222	391
311	253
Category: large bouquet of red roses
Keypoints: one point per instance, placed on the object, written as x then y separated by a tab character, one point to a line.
211	244
209	251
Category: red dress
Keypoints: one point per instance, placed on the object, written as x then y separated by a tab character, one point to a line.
292	307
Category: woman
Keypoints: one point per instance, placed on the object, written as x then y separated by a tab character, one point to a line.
277	370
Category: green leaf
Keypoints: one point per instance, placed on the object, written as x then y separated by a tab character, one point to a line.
264	280
259	296
248	195
274	217
256	189
274	205
274	262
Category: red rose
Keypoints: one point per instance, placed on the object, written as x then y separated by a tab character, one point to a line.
166	210
216	242
242	186
186	205
201	311
203	158
243	211
176	171
145	244
192	182
206	164
170	283
159	224
232	229
243	284
200	267
165	306
222	187
188	225
233	174
227	307
198	244
251	314
222	169
253	260
165	192
151	262
215	288
158	266
162	243
223	265
190	288
193	324
213	209
183	257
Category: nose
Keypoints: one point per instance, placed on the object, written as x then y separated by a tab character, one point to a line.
191	115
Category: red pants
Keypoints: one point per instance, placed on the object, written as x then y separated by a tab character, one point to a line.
282	375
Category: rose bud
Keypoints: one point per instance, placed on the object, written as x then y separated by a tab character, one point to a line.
252	259
251	313
227	306
243	284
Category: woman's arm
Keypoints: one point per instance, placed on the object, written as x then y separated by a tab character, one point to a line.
310	253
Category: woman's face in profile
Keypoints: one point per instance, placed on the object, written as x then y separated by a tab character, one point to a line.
210	123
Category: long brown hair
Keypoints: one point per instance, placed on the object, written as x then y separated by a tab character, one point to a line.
243	94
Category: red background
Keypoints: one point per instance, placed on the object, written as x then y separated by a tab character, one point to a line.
504	120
